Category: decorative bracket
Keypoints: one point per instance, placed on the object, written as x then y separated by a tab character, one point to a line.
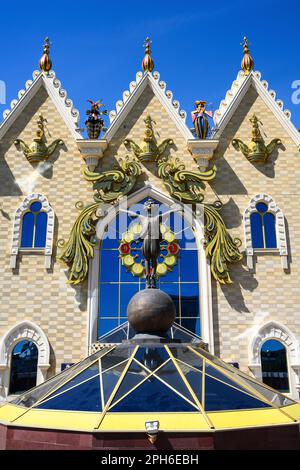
202	151
92	151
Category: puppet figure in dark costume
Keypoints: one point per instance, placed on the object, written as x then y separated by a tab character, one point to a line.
152	237
200	120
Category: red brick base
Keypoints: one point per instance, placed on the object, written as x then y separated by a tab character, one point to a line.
284	437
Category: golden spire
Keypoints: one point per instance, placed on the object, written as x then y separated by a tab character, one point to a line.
247	62
147	63
45	61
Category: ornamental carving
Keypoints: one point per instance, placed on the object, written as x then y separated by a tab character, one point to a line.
149	150
38	151
112	185
256	151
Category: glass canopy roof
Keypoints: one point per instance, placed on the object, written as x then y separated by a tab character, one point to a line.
174	379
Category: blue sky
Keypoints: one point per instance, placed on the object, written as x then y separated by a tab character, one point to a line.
97	47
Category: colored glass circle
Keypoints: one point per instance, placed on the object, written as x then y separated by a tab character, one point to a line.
173	248
125	248
161	269
170	260
128	260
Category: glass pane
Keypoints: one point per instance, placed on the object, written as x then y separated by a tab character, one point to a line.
171	376
188	238
152	358
194	378
85	375
85	397
270	231
127	292
109	300
115	336
274	365
153	396
173	291
256	230
109	261
23	367
31	397
27	230
133	377
35	206
261	207
218	375
185	355
41	230
106	325
220	397
184	336
109	381
188	266
119	354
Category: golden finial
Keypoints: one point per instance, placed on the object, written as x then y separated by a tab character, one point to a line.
45	61
247	62
147	63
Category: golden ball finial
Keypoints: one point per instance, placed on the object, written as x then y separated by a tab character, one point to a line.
247	62
147	63
45	61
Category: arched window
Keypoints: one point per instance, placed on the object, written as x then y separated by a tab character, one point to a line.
274	365
117	283
34	227
23	373
263	229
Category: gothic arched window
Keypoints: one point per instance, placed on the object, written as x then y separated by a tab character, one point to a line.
34	227
263	227
274	365
23	371
117	284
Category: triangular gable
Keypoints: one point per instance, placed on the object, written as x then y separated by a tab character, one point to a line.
235	95
130	97
58	95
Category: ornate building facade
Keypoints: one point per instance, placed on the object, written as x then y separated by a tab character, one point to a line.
70	258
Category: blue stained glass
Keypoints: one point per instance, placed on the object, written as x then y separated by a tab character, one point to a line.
256	230
27	230
127	276
127	292
36	206
109	294
270	231
112	241
191	324
189	300
84	397
187	238
261	207
171	276
189	265
41	230
219	397
107	324
109	265
152	396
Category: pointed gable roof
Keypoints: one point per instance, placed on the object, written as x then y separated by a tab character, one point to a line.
235	95
58	95
130	97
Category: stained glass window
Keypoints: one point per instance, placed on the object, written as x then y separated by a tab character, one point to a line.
34	227
274	365
117	285
263	227
23	367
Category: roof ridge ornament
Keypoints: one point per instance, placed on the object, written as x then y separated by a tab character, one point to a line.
247	62
147	63
45	63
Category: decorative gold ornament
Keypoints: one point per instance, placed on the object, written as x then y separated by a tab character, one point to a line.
186	186
38	151
130	251
247	62
149	150
220	247
147	63
256	151
112	185
80	246
45	61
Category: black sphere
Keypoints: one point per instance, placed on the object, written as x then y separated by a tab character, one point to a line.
151	310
